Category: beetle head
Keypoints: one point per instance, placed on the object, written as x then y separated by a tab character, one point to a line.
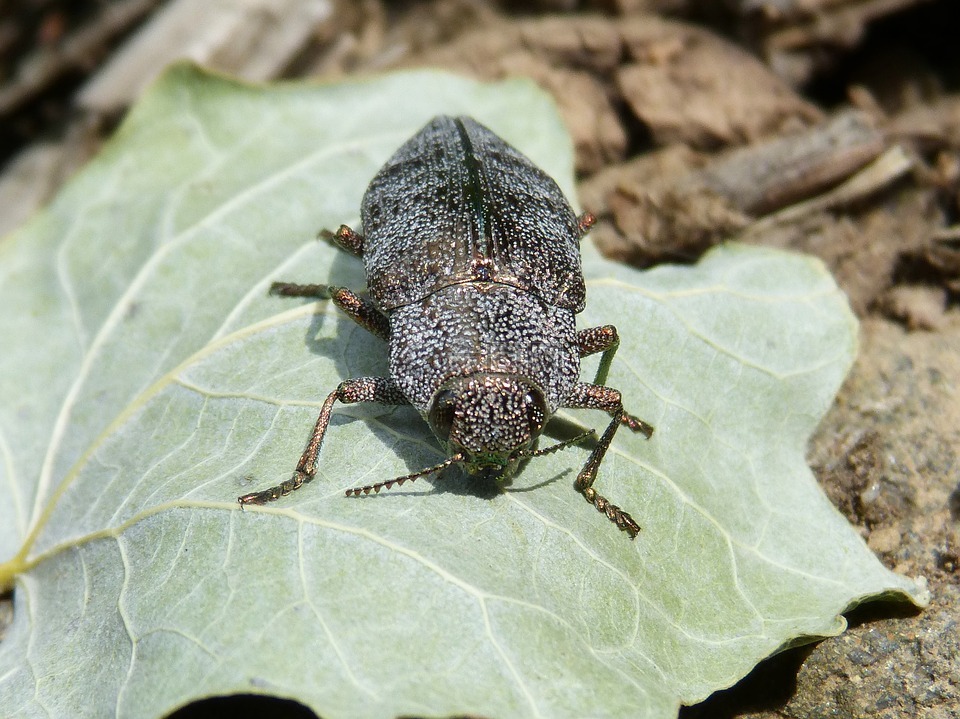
490	419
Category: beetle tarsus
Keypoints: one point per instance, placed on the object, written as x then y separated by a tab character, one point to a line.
274	493
346	239
622	519
585	222
637	425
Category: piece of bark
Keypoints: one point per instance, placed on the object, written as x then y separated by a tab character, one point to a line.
802	37
882	172
253	39
768	176
919	307
567	56
688	85
677	209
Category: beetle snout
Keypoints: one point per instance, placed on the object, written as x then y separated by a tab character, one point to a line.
489	418
489	472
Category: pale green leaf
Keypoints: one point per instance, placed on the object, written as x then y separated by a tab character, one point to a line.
147	379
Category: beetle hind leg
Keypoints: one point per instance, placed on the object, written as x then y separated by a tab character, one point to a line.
360	309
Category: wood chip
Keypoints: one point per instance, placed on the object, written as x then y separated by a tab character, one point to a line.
81	49
687	203
765	177
689	86
253	39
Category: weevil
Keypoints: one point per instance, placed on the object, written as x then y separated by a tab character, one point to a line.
474	279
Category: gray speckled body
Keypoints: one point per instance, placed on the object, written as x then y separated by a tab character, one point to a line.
472	257
473	253
482	327
457	204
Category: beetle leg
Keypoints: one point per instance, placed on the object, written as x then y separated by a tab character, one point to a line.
592	396
351	391
291	289
605	339
345	239
599	339
360	309
585	222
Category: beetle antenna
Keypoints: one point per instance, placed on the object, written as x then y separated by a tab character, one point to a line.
375	488
558	446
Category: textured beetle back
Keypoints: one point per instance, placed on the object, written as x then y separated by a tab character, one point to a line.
456	204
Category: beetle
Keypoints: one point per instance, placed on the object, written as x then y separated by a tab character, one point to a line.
472	261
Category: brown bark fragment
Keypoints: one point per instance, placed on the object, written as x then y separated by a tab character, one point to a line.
917	306
689	86
765	177
675	205
561	54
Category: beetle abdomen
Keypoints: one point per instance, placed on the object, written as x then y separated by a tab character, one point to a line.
456	204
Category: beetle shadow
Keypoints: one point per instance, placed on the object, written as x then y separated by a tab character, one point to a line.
456	480
562	429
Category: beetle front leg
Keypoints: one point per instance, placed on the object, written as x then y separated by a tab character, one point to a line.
599	339
592	396
605	339
351	391
360	309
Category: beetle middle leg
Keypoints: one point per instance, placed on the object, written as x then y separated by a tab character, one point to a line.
605	339
351	391
360	309
593	396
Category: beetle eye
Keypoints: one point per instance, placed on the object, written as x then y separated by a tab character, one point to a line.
536	408
442	413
